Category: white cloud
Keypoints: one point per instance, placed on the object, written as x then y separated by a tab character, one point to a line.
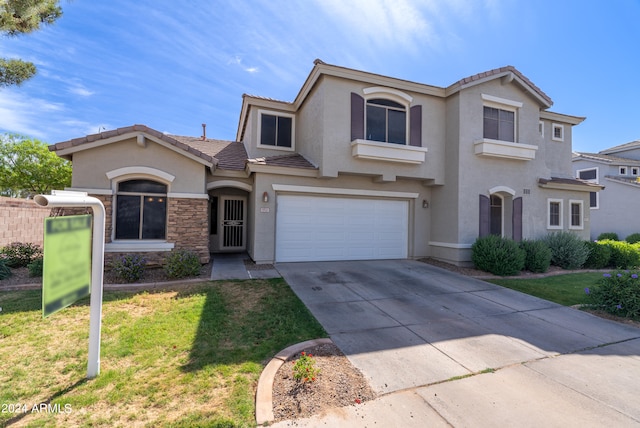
80	90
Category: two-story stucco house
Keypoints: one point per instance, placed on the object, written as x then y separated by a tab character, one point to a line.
357	166
618	169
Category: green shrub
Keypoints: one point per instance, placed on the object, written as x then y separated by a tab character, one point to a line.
5	272
500	256
568	251
623	254
537	256
599	255
618	293
633	238
18	254
608	236
181	264
129	268
35	267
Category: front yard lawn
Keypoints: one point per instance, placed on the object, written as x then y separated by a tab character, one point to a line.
566	289
186	356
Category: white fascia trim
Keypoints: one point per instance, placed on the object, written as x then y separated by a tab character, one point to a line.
503	189
90	191
188	195
389	91
343	192
142	171
449	245
138	246
502	101
229	183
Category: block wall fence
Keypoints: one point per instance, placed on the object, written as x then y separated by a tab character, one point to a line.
21	220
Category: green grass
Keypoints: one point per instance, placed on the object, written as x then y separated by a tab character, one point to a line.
566	289
186	356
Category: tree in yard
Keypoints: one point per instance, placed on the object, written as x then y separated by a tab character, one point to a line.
28	168
22	17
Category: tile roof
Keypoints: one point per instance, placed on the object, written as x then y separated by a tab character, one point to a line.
495	71
290	161
126	130
623	179
571	181
230	154
616	160
622	147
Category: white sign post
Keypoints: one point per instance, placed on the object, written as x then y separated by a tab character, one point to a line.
67	199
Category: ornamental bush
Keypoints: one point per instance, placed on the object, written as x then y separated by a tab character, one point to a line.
497	255
623	254
35	267
617	293
599	255
633	238
129	268
568	251
182	264
18	254
5	272
537	256
608	236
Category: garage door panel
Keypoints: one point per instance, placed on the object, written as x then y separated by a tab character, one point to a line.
312	228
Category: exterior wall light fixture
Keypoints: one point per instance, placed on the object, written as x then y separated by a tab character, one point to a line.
265	197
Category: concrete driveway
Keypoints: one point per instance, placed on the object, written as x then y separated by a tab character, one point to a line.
444	349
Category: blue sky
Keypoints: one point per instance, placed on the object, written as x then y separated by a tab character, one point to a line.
175	65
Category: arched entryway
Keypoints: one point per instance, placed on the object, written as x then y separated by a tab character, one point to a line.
501	213
228	216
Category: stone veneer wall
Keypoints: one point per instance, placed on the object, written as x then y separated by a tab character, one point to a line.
21	220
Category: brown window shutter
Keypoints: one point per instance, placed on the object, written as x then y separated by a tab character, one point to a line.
415	126
357	117
485	216
516	218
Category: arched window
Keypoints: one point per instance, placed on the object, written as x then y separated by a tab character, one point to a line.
386	121
141	210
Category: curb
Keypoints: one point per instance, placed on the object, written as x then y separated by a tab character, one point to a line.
264	394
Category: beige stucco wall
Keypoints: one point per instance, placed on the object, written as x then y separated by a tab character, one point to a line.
91	166
262	227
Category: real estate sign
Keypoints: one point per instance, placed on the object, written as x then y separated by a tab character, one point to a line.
66	275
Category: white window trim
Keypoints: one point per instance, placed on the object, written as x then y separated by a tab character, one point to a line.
549	226
555	126
622	170
581	204
293	130
507	105
634	170
392	95
593	180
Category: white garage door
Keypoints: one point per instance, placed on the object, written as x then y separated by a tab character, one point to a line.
313	228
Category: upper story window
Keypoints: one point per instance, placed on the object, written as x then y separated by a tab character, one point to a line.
557	132
590	175
276	130
386	121
623	170
500	118
141	210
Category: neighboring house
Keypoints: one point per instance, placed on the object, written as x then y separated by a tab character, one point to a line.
358	166
618	170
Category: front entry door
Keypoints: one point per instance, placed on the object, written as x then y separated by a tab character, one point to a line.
232	223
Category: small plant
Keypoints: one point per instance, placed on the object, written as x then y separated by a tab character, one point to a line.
538	256
129	268
568	251
599	255
618	293
35	267
608	235
18	254
5	272
633	238
497	255
182	264
304	369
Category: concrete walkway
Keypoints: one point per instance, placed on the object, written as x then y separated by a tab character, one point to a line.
232	266
441	349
